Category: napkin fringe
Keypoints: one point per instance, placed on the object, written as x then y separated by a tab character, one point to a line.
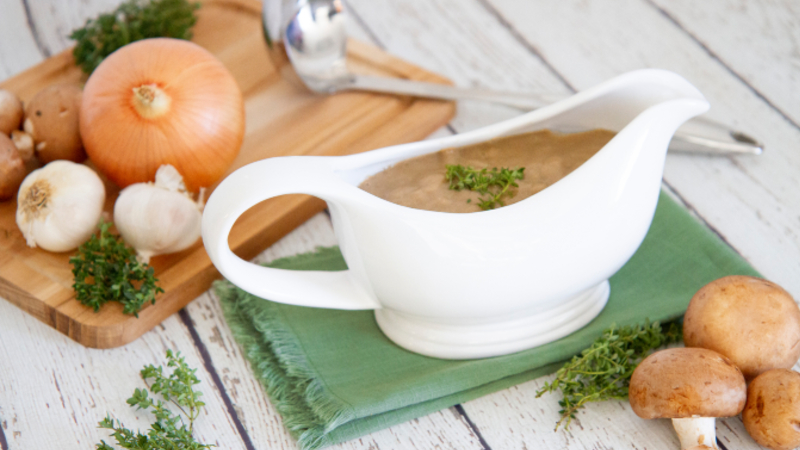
308	409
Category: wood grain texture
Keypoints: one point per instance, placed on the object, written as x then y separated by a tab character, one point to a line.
757	41
17	41
53	391
466	43
53	22
283	118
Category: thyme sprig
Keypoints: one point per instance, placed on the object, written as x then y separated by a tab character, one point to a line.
105	269
169	430
492	184
131	21
603	371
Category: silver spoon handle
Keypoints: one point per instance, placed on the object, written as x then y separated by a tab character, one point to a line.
699	135
444	92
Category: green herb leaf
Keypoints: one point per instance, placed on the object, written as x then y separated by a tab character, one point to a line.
106	269
603	371
131	21
492	184
169	430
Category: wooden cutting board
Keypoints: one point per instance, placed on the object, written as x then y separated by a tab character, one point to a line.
283	118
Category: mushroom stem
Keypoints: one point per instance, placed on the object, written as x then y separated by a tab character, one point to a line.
694	431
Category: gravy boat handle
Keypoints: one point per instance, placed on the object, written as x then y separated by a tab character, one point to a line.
260	181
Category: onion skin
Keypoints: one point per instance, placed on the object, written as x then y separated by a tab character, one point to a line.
196	123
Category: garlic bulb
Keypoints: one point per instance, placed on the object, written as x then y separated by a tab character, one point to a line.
158	218
59	205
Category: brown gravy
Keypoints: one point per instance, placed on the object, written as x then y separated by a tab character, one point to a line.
546	156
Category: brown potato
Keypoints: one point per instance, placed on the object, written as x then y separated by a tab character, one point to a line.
12	168
51	118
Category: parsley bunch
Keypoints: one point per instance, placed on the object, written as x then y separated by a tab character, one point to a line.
106	269
169	430
491	184
603	371
131	21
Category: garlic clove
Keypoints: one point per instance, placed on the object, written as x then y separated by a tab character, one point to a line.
59	206
169	178
158	218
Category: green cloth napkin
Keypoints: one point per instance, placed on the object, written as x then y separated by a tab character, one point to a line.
333	375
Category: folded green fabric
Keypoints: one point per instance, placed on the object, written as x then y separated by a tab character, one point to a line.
333	375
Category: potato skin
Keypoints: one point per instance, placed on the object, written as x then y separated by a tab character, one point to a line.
51	117
752	321
772	413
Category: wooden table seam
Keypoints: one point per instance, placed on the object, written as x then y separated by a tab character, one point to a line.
724	64
212	370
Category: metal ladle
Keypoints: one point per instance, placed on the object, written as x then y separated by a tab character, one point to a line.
313	32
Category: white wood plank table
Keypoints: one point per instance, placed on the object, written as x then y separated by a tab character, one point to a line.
744	56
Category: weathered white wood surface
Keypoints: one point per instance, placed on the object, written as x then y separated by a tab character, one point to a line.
743	56
757	43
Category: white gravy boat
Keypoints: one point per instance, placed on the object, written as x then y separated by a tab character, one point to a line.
487	283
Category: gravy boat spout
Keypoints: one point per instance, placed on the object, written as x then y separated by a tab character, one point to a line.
486	283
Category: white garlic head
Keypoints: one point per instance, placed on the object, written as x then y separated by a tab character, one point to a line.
59	205
157	218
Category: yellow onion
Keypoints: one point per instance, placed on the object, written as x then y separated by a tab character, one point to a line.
162	101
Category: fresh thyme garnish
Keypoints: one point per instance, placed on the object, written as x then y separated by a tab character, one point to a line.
106	269
603	371
169	430
491	184
131	21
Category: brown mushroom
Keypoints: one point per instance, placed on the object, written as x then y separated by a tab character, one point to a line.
51	118
772	412
752	321
691	386
12	168
10	112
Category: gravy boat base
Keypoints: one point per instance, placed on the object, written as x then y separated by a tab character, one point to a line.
454	339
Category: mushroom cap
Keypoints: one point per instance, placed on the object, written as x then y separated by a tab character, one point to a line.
12	169
686	382
752	321
10	112
772	412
